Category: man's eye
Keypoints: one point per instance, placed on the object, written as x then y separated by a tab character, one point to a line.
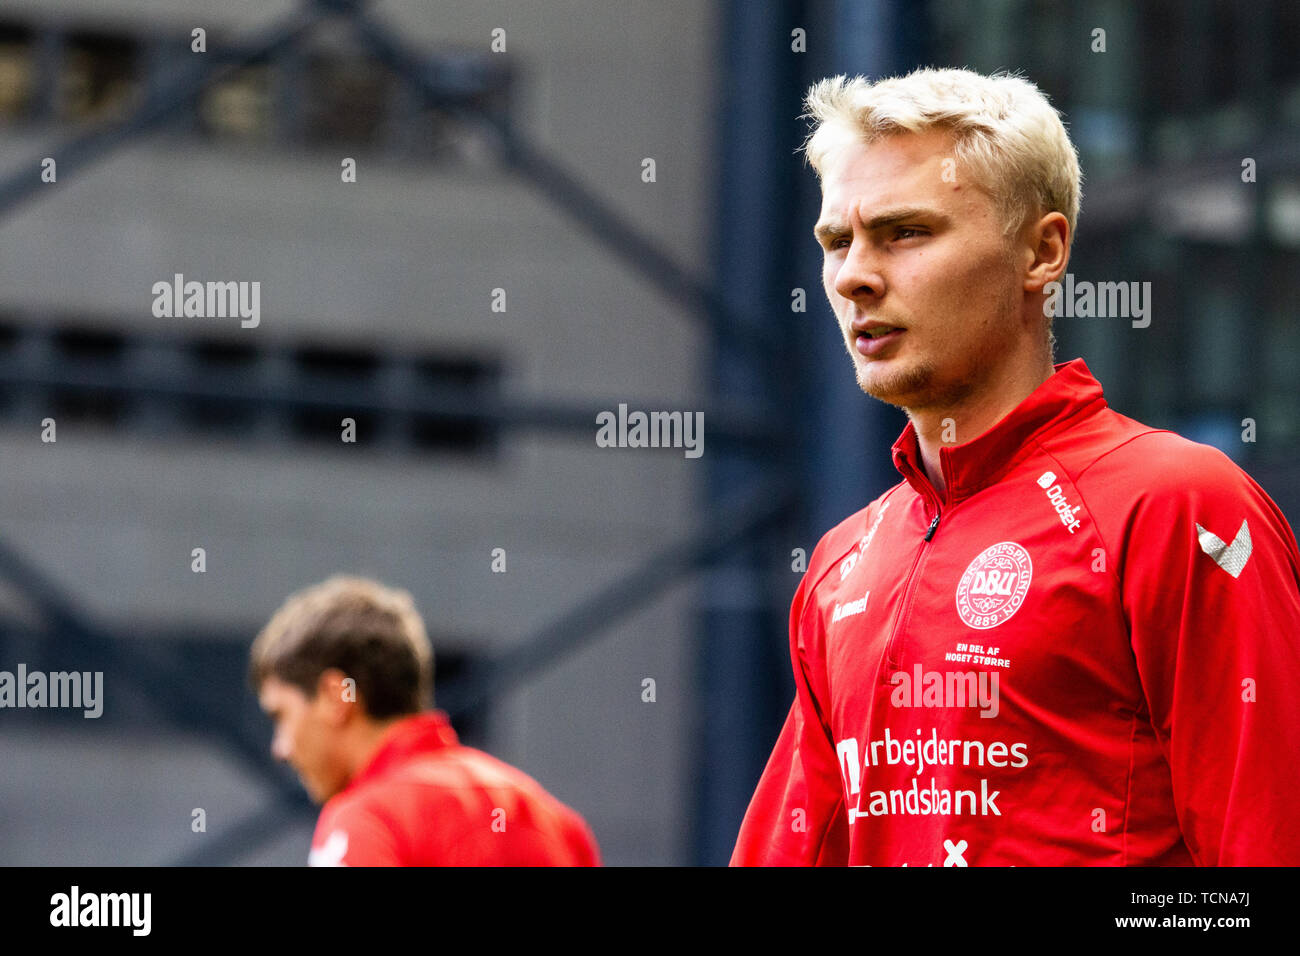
906	232
840	243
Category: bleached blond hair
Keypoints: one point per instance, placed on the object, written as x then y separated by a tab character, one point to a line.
1007	137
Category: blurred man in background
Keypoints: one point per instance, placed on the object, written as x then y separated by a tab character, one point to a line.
344	669
1064	637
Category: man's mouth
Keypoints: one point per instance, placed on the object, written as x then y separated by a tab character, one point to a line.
872	341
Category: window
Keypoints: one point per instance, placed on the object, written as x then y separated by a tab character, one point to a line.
100	78
17	73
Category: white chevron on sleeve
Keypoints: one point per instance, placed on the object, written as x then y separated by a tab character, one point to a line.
1231	557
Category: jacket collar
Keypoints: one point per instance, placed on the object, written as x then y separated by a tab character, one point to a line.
413	735
1069	392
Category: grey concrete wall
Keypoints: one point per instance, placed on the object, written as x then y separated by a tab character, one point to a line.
404	260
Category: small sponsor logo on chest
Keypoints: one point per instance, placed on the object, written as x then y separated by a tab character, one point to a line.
849	608
849	563
1047	481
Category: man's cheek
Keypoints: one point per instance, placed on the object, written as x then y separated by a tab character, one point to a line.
828	282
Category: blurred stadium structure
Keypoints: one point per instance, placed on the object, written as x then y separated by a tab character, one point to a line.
522	171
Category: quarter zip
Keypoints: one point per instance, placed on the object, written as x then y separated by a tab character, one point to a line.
909	588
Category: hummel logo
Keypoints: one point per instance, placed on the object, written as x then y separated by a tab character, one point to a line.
849	608
1231	557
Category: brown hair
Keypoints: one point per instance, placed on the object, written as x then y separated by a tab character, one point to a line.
371	633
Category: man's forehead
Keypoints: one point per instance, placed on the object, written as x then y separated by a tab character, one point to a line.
891	150
275	693
908	173
896	169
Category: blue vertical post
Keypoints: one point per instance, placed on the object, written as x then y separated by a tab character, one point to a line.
741	650
838	453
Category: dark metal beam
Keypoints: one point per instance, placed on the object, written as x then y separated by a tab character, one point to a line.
161	104
182	706
585	208
728	422
731	528
554	183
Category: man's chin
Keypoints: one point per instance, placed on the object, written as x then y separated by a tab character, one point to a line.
904	386
315	792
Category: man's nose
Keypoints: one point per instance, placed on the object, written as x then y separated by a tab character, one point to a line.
859	272
280	748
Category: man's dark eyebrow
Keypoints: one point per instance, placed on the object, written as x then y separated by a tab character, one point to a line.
828	230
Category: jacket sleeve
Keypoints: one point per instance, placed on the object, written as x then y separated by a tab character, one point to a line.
796	816
581	842
1211	591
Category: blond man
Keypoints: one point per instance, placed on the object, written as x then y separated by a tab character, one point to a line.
1063	637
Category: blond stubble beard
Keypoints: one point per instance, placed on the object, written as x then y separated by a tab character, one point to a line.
914	388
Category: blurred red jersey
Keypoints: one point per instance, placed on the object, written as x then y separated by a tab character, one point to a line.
425	800
1085	651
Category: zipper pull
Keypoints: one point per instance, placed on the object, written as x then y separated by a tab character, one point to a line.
933	526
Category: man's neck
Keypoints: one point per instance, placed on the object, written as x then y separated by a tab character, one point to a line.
970	418
365	740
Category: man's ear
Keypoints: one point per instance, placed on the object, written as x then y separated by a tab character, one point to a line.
336	694
1046	251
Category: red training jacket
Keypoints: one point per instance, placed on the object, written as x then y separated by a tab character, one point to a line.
424	800
1087	651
